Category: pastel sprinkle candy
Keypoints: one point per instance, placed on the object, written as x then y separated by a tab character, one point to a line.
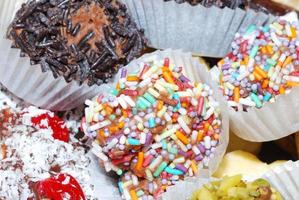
155	125
263	64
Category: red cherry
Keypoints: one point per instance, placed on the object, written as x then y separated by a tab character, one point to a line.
58	187
60	131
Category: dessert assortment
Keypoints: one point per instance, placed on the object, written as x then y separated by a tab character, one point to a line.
152	123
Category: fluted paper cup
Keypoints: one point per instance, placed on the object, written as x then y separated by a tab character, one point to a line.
283	178
205	31
27	81
271	122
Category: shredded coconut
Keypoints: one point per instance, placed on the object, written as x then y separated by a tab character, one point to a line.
32	155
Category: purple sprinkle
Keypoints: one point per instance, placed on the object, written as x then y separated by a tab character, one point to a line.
123	72
201	148
148	139
199	158
225	67
184	79
183	153
181	167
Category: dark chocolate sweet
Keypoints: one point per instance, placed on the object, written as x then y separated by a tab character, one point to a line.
82	40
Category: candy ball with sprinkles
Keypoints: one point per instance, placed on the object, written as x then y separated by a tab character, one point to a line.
155	123
86	41
263	64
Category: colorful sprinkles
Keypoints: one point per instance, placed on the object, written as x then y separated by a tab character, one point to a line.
263	64
156	125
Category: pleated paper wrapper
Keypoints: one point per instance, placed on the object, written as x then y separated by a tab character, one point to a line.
283	178
105	187
204	31
27	81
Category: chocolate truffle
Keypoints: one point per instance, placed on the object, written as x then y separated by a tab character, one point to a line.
86	41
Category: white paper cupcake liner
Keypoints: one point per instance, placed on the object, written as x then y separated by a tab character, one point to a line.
271	122
27	81
205	31
283	178
195	71
105	187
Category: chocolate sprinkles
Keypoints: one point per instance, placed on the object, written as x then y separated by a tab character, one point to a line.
85	41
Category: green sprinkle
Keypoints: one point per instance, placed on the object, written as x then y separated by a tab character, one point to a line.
144	102
133	142
149	97
140	193
112	117
141	105
173	171
114	92
267	96
119	172
160	169
253	51
250	29
271	62
235	64
256	100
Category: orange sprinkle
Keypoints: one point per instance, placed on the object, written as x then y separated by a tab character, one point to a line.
125	113
117	86
215	127
108	110
265	83
168	77
261	72
264	50
287	61
220	63
164	187
269	49
113	129
246	59
140	160
194	167
160	105
182	137
257	76
133	195
281	90
185	105
292	84
216	136
121	124
200	135
236	94
294	34
206	127
101	133
132	78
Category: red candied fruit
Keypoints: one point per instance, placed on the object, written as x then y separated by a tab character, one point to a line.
58	187
60	131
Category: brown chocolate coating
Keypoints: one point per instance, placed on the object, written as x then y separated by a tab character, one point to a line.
86	41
